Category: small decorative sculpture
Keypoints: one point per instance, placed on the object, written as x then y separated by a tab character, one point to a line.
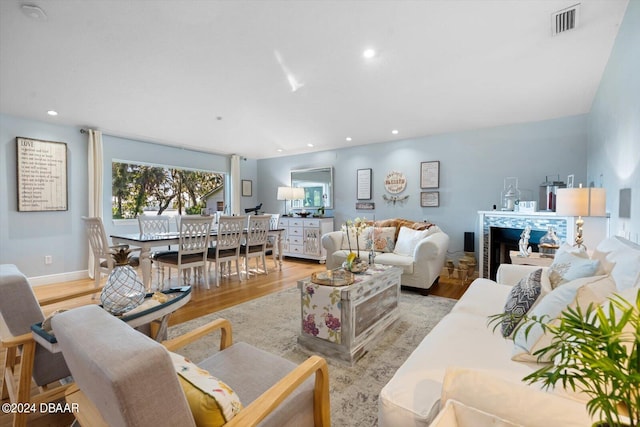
255	210
525	249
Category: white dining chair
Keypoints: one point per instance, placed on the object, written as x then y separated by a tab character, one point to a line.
193	242
99	244
272	246
227	245
255	243
153	225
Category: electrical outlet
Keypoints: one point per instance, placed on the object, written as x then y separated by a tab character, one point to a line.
48	259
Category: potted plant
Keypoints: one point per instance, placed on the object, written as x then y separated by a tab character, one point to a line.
595	351
353	262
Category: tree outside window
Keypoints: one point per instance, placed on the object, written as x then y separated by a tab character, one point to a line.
165	190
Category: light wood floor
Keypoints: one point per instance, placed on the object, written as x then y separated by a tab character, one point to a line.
204	301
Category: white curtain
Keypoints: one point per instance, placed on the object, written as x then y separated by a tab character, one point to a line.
235	184
95	181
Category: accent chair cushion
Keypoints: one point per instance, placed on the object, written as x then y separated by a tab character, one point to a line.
521	299
213	403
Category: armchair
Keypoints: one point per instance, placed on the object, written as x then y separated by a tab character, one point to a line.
24	359
124	378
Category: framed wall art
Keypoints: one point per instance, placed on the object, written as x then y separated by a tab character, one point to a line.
430	174
429	199
247	190
42	175
364	184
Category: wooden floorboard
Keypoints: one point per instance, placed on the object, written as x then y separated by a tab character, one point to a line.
203	301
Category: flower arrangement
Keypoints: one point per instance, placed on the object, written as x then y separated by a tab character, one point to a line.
355	228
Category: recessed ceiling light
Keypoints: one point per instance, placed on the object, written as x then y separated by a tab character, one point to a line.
52	113
348	138
309	145
395	131
279	150
369	53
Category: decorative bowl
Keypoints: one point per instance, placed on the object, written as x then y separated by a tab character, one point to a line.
304	214
357	266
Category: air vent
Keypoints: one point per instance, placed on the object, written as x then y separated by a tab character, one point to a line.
565	20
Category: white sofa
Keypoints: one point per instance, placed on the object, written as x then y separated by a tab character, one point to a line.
463	340
420	269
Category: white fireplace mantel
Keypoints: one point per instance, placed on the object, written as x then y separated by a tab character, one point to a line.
595	229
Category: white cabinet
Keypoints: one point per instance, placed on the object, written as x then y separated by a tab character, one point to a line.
302	237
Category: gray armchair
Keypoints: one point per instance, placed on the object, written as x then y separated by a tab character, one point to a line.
124	378
24	359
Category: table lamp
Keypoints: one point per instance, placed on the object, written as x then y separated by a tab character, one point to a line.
581	202
298	194
285	193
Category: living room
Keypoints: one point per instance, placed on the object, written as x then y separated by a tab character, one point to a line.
598	146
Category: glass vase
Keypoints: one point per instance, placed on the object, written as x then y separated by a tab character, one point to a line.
123	291
549	243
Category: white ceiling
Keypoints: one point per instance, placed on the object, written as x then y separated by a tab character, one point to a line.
165	71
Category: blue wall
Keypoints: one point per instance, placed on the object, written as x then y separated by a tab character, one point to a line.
614	126
26	237
473	166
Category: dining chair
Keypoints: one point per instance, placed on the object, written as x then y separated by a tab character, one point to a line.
144	384
227	244
99	244
153	225
272	246
193	242
255	242
25	362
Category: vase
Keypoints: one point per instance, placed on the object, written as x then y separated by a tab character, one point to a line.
549	243
123	291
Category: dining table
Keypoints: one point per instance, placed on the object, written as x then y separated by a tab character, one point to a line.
148	241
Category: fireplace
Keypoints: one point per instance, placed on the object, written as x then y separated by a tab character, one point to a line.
500	232
503	240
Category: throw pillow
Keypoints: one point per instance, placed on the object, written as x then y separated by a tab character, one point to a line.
408	239
521	299
356	240
381	238
580	292
626	271
571	263
213	403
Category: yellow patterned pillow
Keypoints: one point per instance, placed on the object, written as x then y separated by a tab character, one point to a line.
213	403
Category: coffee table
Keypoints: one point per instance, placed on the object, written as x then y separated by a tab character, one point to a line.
343	322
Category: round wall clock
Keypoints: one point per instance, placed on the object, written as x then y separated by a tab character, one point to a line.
395	182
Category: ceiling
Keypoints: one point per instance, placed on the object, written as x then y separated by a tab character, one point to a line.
266	78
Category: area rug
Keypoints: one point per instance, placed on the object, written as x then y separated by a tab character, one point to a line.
272	323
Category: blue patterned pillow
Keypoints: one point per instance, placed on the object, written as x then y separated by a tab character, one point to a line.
520	300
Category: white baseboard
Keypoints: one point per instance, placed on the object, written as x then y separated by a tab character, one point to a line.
58	278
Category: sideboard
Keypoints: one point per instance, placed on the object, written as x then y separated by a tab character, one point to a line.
302	237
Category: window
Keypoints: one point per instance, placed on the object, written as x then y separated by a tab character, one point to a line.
153	189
